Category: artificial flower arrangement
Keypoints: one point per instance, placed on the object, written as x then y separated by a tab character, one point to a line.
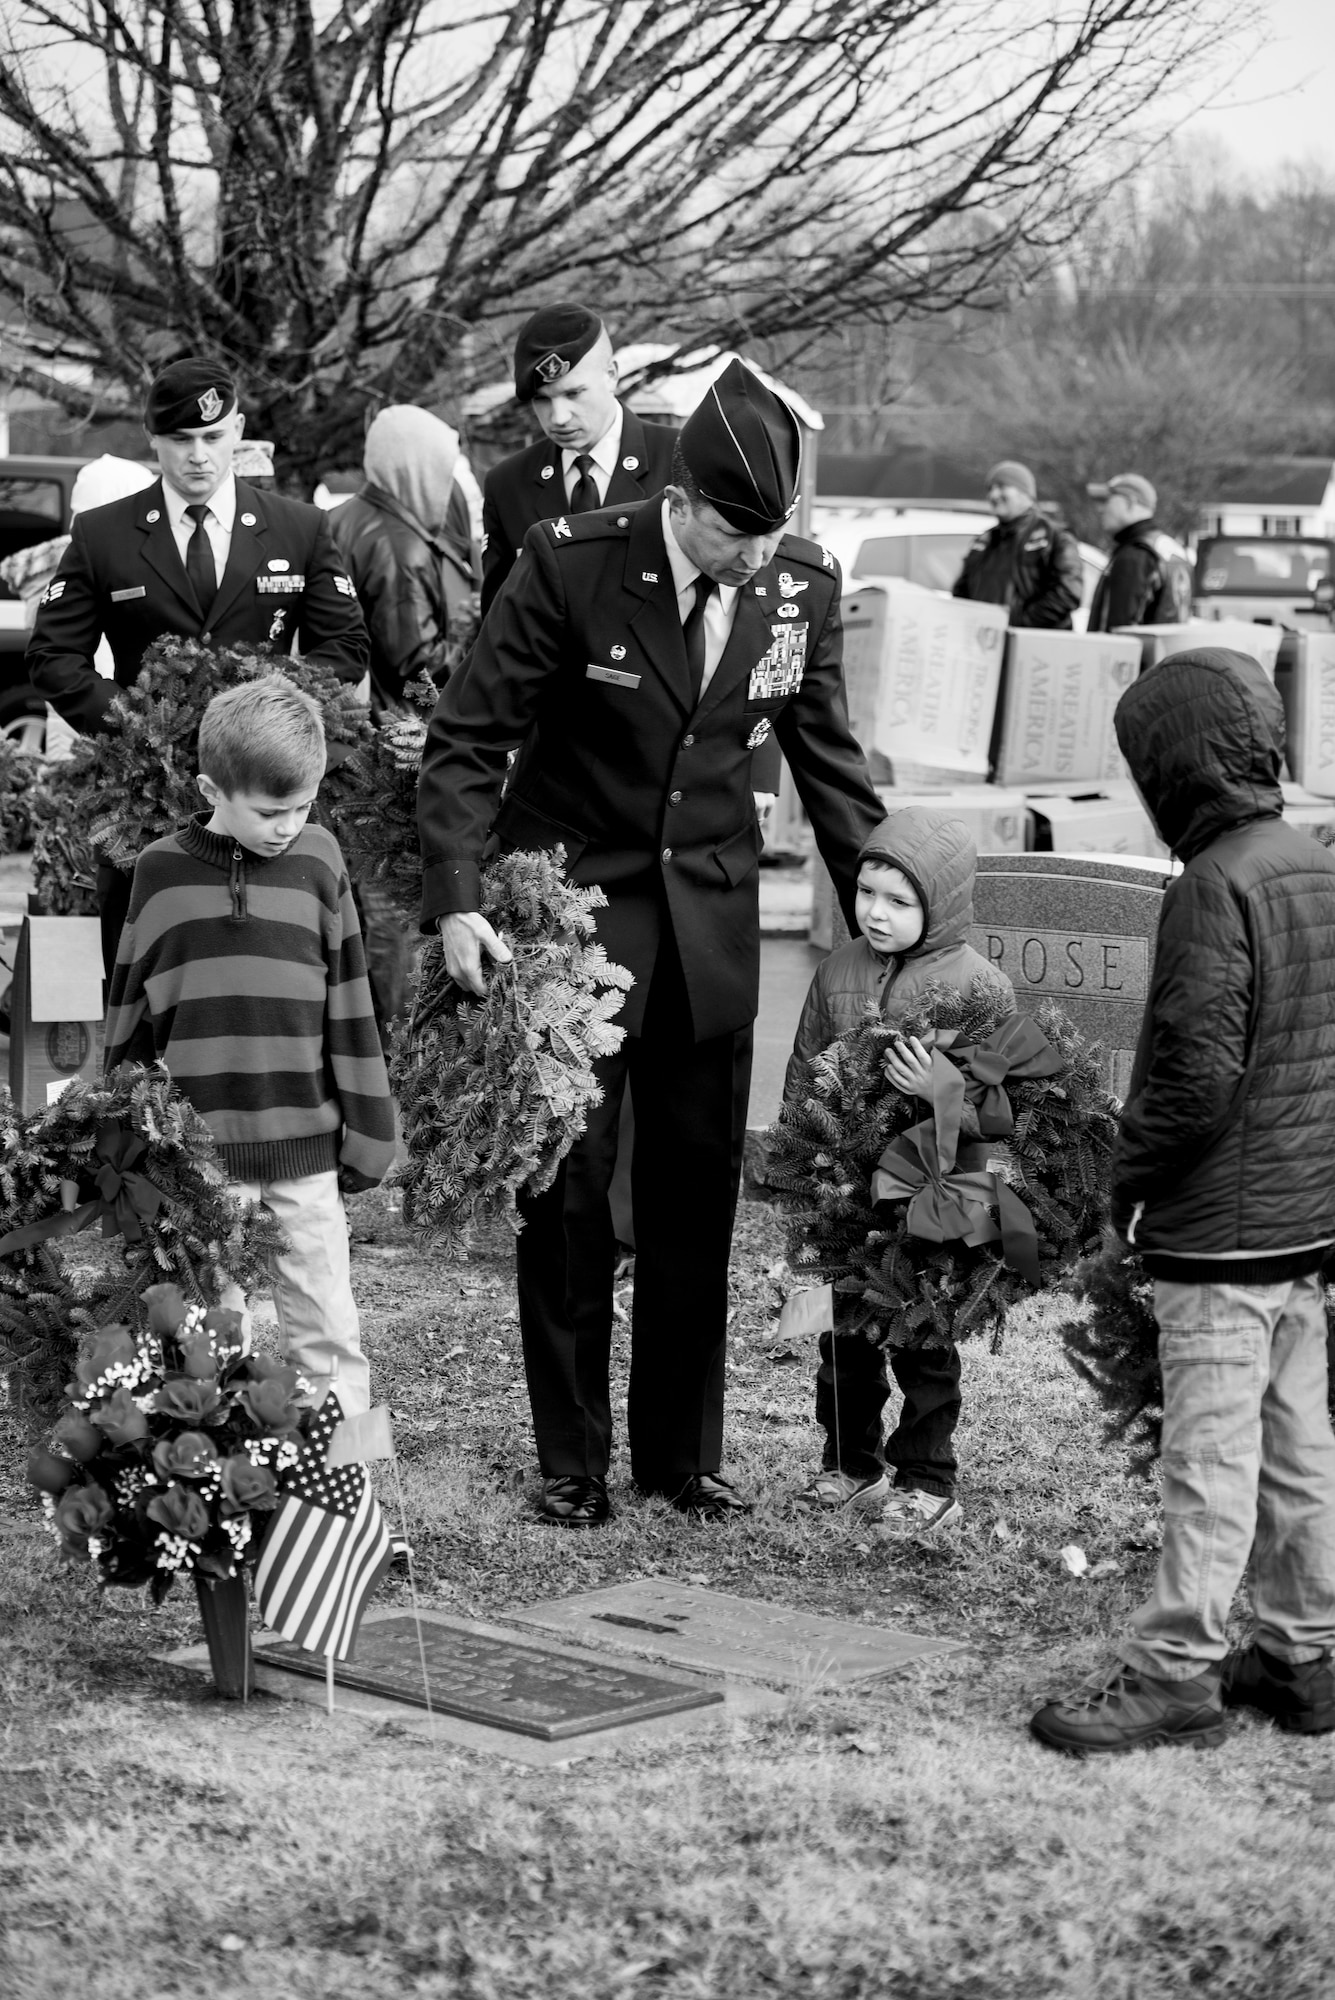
171	1455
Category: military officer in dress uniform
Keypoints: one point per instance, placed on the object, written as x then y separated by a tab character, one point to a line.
199	553
640	657
596	452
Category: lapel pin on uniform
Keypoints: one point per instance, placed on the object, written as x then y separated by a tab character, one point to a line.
630	462
547	471
248	521
618	652
152	515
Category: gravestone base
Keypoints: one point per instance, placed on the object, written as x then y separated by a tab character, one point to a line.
740	1638
683	1703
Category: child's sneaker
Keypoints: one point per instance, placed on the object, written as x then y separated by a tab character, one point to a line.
829	1491
909	1511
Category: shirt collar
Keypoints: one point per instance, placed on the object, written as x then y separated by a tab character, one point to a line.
684	571
222	505
607	450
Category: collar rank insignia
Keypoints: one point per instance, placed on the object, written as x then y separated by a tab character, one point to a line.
210	406
759	733
827	558
561	530
789	585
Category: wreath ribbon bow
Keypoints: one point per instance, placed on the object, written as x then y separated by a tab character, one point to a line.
964	1203
1016	1047
125	1199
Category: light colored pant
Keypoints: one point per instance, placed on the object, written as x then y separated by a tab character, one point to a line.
312	1286
1248	1469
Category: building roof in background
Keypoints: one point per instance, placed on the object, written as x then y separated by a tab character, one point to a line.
907	474
1277	483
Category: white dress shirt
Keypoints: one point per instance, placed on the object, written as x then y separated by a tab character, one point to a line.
604	455
720	609
218	522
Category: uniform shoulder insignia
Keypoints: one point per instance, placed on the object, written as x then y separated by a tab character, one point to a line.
797	549
567	529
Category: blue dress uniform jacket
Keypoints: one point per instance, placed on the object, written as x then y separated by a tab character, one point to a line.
528	487
583	663
122	576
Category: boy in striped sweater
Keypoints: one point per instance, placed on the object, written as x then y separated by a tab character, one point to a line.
241	969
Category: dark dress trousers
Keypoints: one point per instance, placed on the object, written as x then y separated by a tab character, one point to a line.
581	666
122	576
529	487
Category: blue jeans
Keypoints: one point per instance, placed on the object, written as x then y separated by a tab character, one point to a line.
1248	1469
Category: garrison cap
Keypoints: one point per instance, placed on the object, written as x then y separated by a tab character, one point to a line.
743	447
189	395
548	345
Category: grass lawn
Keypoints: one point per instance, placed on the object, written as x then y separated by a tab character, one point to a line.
905	1839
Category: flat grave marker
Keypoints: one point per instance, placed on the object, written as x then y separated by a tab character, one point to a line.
1077	929
716	1632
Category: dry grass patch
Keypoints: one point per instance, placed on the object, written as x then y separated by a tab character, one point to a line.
905	1840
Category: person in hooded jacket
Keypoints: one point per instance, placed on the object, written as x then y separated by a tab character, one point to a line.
914	904
415	582
1224	1182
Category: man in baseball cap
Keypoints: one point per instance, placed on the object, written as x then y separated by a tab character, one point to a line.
645	657
1148	579
199	553
1027	562
595	452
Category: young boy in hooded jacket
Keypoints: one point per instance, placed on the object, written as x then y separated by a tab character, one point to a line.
914	905
1224	1181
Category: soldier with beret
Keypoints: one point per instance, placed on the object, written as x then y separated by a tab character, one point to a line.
638	659
595	452
200	553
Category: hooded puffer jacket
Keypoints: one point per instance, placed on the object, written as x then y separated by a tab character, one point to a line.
1228	1134
855	982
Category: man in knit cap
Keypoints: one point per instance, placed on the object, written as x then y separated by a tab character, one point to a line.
641	656
1026	562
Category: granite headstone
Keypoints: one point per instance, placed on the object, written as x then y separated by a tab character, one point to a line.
719	1633
1078	930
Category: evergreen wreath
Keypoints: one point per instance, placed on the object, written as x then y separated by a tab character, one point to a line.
132	1155
19	775
135	780
900	1290
375	807
494	1092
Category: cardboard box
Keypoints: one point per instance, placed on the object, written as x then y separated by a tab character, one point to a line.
923	672
1055	717
1306	681
1238	634
999	821
55	1029
1107	821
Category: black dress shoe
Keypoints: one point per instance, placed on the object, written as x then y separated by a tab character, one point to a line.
573	1501
710	1497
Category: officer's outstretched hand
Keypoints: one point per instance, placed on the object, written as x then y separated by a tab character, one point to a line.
464	936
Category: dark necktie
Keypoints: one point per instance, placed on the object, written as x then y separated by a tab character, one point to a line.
199	564
693	631
584	496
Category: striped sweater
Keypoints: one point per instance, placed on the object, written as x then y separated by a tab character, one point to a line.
245	975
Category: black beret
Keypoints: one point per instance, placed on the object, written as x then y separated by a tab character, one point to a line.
549	344
189	395
743	446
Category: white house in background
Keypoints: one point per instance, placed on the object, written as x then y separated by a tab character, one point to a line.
1276	496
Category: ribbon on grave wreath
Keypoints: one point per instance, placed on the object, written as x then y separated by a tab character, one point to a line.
964	1202
1016	1047
125	1199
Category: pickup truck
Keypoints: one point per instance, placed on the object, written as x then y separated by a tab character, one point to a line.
1269	579
34	506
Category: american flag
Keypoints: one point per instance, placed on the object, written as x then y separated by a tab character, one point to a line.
325	1550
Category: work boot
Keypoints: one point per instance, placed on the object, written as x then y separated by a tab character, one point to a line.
1128	1710
1299	1698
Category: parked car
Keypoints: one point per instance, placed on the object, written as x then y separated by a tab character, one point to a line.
1269	579
922	545
34	506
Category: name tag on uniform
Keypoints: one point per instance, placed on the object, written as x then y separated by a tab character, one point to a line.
124	596
618	680
280	586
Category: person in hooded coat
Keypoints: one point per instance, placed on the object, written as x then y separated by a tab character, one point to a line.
914	904
396	536
1224	1182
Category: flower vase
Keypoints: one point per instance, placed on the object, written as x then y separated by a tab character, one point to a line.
224	1606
